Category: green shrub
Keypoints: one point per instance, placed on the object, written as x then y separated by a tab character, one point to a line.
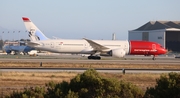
90	85
37	92
168	86
86	85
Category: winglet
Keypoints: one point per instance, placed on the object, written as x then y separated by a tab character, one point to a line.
25	19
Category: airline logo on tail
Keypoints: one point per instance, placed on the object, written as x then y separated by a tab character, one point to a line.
34	33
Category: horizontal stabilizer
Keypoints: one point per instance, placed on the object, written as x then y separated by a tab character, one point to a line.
32	44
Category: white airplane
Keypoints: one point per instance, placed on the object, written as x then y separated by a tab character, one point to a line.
96	48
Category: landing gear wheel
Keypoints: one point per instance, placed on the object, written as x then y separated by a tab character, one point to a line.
94	57
90	57
98	57
153	58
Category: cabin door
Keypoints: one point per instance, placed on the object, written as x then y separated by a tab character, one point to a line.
153	47
58	45
52	45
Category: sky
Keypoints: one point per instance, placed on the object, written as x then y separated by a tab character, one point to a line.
77	19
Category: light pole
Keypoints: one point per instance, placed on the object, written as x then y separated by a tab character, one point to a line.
2	40
8	33
25	34
2	35
19	36
13	35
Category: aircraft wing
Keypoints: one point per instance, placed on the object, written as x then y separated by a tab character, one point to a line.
96	46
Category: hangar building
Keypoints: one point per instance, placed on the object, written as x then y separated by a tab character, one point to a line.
166	33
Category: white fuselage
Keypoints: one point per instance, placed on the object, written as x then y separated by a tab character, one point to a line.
79	46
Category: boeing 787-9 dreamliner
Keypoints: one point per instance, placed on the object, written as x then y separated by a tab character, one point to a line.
95	48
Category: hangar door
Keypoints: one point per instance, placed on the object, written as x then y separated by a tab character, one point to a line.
145	36
173	41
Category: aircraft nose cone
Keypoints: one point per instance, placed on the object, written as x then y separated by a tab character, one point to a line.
164	51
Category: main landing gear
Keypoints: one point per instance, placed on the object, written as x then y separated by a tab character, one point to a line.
94	57
154	57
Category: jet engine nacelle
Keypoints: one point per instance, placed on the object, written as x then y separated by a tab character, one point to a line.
118	53
8	51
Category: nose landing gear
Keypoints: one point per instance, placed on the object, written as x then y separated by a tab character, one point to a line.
154	57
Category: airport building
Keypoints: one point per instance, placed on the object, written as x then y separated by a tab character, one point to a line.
166	33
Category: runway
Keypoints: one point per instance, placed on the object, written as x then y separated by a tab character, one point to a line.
111	61
80	70
64	58
76	59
